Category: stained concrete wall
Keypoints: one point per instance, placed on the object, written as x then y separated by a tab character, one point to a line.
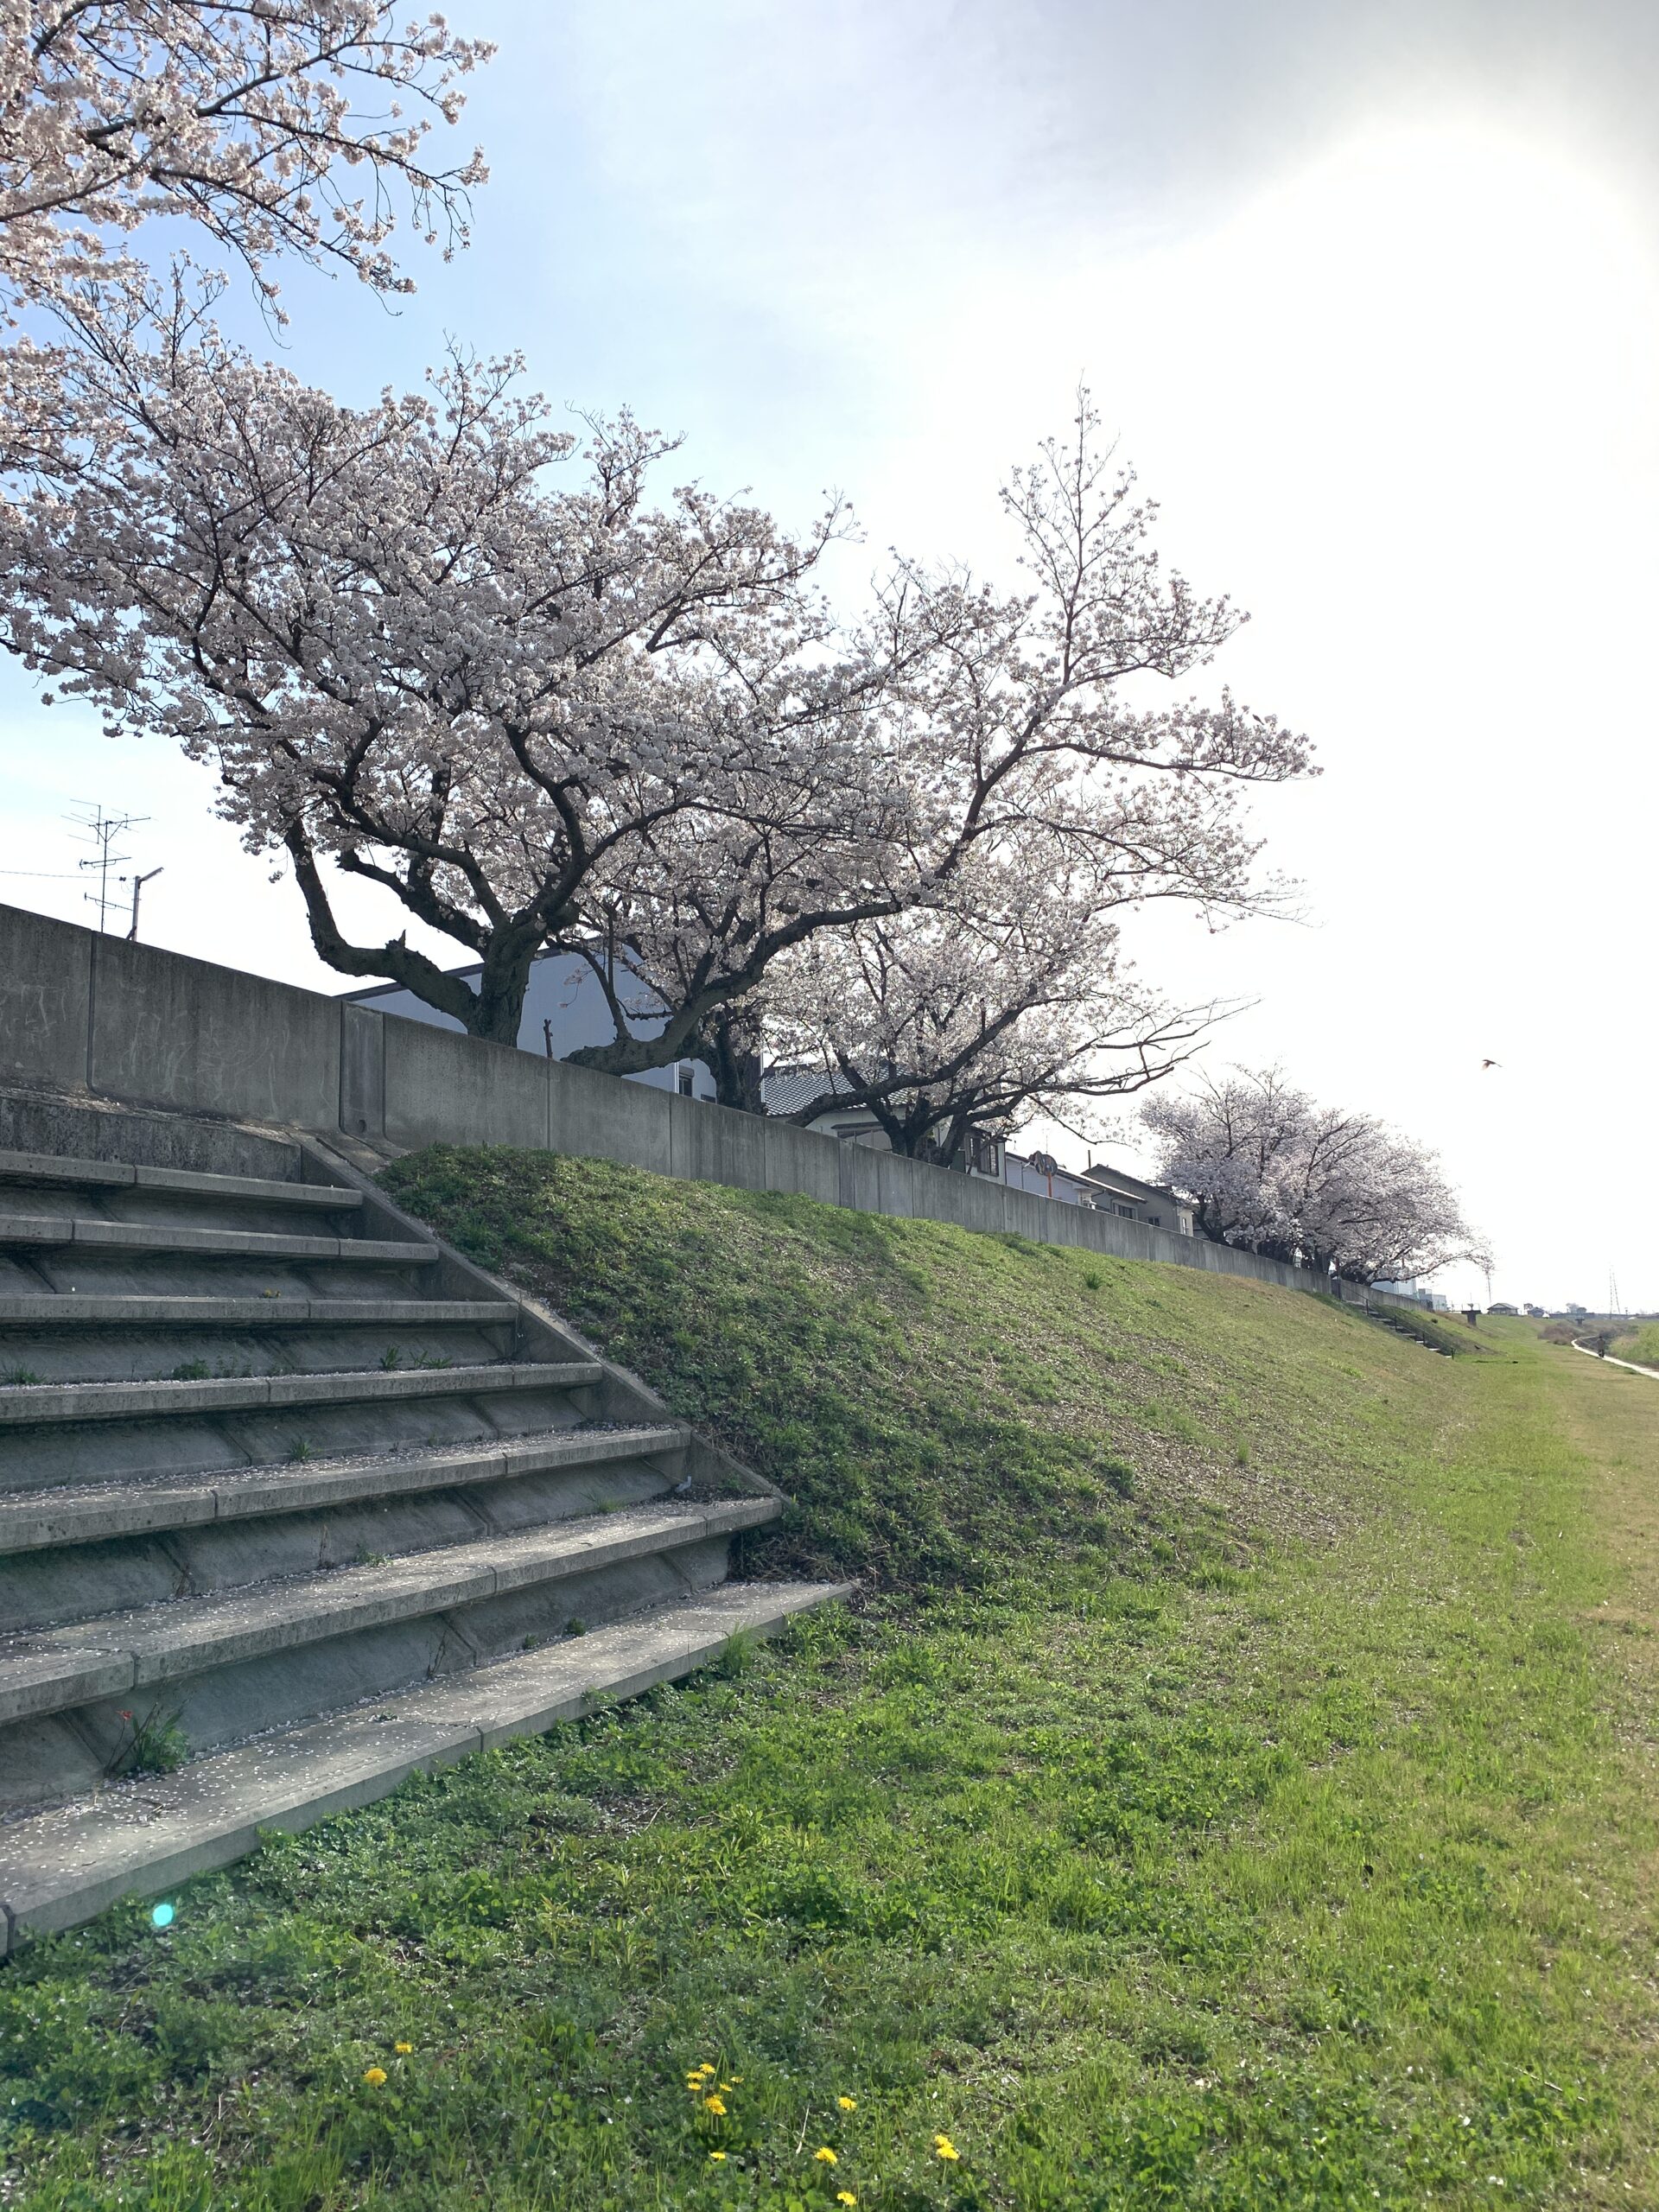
94	1016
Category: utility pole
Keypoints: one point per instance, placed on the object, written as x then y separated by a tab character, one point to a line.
139	883
104	829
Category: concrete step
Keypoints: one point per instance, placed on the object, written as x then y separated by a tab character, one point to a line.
56	1232
59	1869
74	1337
125	1654
50	1171
273	1528
96	1434
48	1519
73	1310
49	1404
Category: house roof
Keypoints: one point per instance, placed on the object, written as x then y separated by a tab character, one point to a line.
787	1090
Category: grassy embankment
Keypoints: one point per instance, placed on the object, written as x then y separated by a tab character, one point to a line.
1640	1343
1232	1791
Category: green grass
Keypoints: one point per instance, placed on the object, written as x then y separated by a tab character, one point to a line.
1641	1345
1228	1790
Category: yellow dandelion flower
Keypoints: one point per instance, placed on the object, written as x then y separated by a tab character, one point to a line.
717	2155
847	2104
706	2068
945	2148
826	2157
715	2105
845	2197
374	2075
694	2081
736	2078
402	2049
725	2088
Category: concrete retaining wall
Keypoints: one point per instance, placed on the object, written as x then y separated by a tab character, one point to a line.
98	1017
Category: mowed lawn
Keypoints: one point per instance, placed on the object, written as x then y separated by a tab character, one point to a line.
1232	1787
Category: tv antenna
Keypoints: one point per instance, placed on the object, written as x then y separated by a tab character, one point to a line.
103	830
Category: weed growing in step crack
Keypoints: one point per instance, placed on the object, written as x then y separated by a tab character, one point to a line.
153	1743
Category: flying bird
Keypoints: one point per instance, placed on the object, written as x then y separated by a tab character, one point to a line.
1490	1064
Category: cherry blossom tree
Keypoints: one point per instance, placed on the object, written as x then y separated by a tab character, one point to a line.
1008	998
982	721
402	651
1267	1168
239	115
542	716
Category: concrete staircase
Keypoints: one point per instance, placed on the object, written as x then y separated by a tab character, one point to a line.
292	1493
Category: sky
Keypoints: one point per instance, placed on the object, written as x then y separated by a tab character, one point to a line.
1370	296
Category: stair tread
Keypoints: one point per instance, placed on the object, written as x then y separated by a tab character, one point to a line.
52	1668
63	1231
59	1868
35	1402
88	1514
71	1308
64	1171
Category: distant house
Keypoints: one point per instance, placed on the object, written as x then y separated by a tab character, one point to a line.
787	1090
1106	1189
1502	1308
1116	1191
1435	1300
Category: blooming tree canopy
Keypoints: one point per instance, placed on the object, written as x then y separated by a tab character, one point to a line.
399	649
1006	999
237	114
935	936
543	715
1268	1169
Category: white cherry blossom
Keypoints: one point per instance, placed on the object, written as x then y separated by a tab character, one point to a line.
240	115
1267	1168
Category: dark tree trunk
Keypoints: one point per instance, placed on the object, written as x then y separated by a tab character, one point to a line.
730	1046
499	1010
